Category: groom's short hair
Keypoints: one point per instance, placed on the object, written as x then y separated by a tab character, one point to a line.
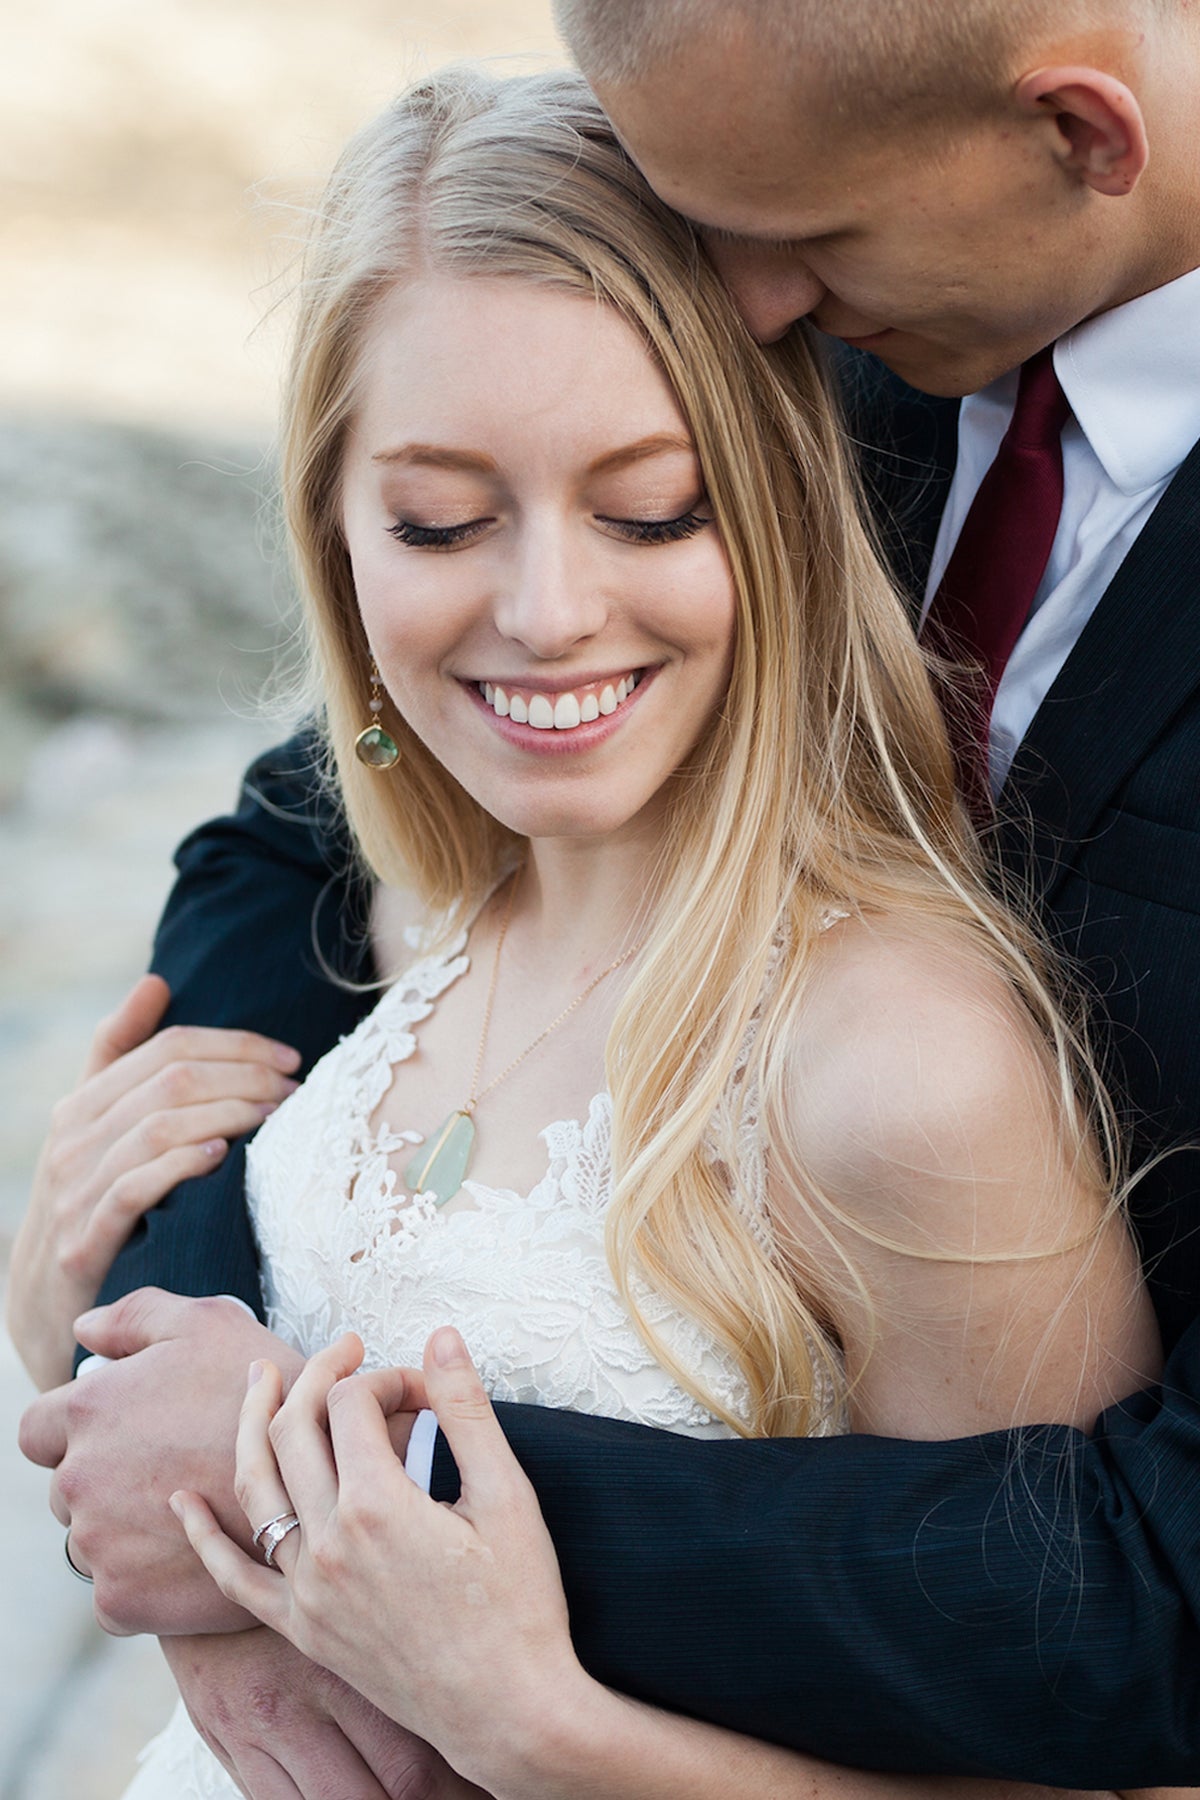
881	58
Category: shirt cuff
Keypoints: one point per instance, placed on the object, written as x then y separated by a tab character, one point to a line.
418	1459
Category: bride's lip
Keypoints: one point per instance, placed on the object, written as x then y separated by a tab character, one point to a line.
555	684
579	730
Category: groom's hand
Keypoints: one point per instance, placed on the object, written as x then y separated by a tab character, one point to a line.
122	1439
281	1724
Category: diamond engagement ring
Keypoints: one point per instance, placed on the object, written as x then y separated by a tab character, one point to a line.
272	1534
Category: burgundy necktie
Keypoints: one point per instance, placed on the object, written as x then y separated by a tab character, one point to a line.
985	595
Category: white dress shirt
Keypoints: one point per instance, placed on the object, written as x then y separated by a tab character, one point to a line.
1132	378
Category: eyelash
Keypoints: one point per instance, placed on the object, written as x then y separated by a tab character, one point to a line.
660	531
634	531
435	537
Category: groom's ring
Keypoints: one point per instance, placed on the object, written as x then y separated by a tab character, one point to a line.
77	1572
270	1535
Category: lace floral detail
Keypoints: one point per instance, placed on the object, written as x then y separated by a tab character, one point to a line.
345	1246
525	1276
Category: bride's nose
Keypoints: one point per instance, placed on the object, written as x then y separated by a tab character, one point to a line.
549	599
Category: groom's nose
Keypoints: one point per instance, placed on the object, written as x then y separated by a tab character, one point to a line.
771	285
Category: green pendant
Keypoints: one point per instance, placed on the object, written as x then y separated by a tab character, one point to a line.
439	1166
375	748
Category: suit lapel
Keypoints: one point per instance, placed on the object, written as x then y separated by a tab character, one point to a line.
1136	662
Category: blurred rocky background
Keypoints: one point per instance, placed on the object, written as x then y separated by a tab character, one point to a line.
155	158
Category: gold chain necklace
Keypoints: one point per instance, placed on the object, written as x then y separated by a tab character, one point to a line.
440	1166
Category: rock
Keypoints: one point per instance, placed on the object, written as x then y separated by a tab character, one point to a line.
139	572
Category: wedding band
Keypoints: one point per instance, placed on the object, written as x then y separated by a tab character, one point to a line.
272	1534
76	1572
277	1520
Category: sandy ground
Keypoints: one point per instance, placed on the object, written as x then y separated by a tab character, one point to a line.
152	155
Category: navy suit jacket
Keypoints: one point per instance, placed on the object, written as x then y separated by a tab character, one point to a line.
1022	1604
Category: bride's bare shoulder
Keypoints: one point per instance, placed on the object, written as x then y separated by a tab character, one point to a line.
883	981
911	1053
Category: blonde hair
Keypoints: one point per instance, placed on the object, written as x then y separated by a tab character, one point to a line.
826	778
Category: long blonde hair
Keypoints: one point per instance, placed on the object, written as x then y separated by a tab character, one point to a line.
826	778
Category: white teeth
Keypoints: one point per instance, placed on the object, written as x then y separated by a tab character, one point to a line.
563	712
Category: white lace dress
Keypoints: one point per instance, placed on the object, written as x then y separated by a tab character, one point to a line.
524	1276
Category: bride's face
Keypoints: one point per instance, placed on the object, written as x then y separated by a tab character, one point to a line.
537	567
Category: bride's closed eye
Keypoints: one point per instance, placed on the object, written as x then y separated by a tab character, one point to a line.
634	531
436	537
658	531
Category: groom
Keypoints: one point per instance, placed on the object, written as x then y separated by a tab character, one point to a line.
950	188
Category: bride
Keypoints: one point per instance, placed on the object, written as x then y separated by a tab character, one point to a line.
712	1088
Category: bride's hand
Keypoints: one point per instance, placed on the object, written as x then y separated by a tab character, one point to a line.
151	1109
451	1620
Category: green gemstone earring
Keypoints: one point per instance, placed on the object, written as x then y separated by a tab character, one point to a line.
374	747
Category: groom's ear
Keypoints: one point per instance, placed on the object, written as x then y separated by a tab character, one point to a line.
1102	136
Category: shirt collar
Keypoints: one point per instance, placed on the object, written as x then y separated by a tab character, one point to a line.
1132	376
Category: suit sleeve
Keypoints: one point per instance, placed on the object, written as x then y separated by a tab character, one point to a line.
265	925
1024	1605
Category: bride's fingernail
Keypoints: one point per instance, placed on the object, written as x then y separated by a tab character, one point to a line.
253	1373
448	1348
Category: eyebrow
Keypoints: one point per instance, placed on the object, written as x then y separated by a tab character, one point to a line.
441	456
663	443
438	456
